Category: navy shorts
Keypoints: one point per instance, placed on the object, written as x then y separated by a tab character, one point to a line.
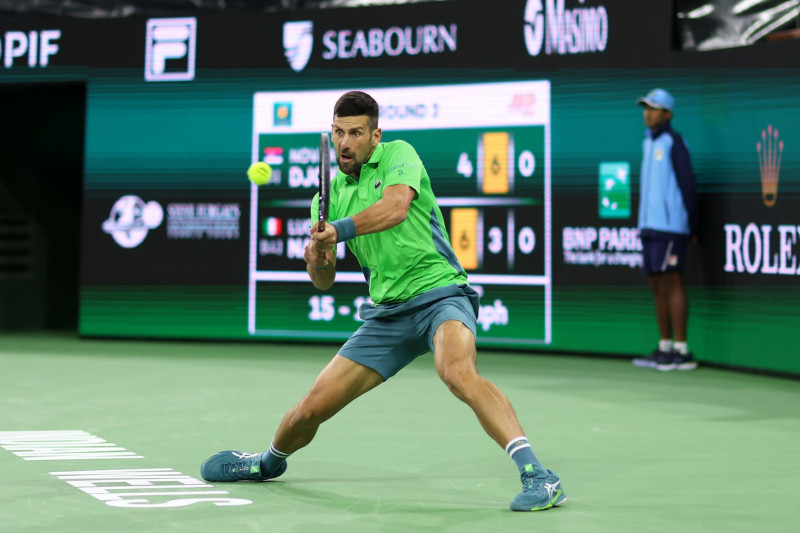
663	252
393	335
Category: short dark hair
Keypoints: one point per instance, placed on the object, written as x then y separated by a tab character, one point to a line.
355	103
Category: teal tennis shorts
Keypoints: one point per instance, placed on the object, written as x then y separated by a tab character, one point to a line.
393	335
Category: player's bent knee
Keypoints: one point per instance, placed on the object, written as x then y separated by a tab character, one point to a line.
461	380
311	413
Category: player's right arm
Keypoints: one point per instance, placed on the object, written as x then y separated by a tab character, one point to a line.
320	257
320	262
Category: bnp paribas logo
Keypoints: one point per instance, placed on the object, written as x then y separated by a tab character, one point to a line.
614	190
770	150
298	41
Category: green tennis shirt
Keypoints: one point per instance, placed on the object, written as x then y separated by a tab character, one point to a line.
411	258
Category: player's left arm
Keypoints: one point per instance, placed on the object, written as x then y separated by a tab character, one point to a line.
386	213
402	177
402	181
682	164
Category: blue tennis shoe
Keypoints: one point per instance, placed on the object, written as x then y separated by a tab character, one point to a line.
231	465
541	489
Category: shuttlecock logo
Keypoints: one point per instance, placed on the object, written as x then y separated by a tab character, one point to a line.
770	150
130	220
298	41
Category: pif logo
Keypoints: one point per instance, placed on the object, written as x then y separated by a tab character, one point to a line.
38	46
170	49
770	150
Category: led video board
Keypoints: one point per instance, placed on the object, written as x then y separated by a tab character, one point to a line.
487	150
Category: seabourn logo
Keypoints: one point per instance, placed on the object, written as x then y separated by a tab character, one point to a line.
393	41
298	42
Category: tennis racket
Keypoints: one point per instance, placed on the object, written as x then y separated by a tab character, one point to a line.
324	179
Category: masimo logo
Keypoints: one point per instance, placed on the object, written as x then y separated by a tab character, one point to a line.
562	31
130	220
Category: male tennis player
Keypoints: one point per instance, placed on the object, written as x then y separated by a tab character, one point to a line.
383	207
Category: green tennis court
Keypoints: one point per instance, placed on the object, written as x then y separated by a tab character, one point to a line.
637	450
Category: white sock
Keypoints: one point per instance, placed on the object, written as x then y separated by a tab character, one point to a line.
665	345
681	347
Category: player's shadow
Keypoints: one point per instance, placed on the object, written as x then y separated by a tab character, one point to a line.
303	491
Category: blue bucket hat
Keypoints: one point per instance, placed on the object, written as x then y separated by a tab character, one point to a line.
658	99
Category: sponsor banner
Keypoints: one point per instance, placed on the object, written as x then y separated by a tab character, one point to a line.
530	35
591	247
756	235
520	34
37	46
752	244
157	238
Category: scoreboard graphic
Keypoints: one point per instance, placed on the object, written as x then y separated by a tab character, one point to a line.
486	148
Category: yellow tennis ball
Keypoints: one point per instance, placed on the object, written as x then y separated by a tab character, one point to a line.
259	173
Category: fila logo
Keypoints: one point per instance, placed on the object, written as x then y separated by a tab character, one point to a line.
170	49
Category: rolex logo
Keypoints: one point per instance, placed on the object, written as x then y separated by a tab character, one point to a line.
770	150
